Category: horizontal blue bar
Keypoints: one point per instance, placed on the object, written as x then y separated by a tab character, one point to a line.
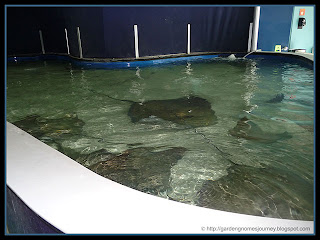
120	64
20	59
141	63
38	57
154	62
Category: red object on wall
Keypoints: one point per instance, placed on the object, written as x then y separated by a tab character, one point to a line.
302	11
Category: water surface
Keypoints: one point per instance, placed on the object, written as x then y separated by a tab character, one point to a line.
80	113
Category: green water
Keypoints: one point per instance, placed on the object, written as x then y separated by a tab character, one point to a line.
212	168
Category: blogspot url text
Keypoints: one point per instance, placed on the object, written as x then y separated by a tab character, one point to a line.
256	229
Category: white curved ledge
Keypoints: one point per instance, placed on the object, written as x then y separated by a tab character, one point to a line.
78	201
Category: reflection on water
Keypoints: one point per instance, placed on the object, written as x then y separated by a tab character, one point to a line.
229	134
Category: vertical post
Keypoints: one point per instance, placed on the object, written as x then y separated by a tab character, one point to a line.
41	41
189	38
136	44
67	41
256	19
250	37
79	42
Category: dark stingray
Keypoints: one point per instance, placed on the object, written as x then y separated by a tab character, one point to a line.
50	130
39	126
146	169
278	98
269	192
247	129
192	111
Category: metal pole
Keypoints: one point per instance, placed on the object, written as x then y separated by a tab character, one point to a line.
189	38
79	42
256	19
67	41
250	37
41	41
136	44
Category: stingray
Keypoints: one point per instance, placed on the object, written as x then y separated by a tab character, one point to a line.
49	130
144	168
247	129
192	111
278	98
269	192
39	126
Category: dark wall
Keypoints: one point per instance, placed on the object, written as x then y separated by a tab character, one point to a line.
107	32
220	28
20	219
23	24
90	22
22	36
52	24
274	27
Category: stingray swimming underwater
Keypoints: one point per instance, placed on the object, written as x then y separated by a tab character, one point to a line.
260	192
45	127
191	111
249	130
143	168
277	99
50	130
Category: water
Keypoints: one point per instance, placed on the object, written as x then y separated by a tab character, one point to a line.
77	112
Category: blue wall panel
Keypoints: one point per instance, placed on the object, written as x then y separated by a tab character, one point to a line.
274	27
303	38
